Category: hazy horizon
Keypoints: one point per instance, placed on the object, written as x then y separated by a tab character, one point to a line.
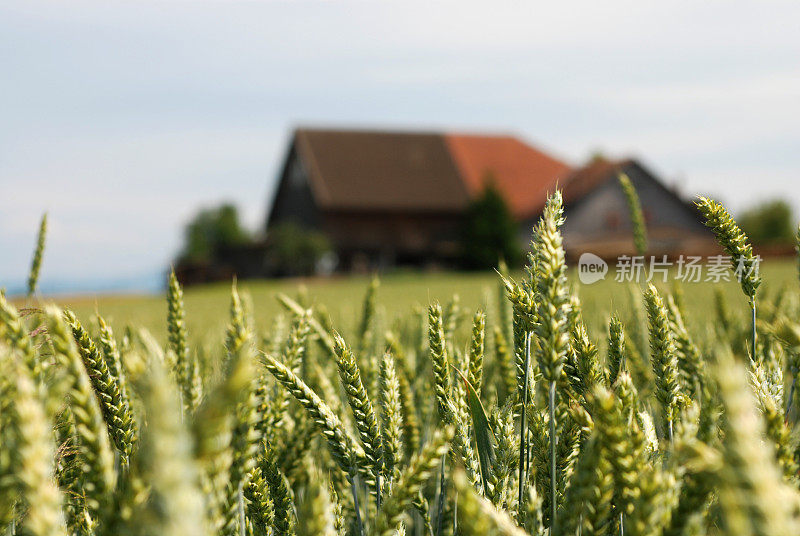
123	120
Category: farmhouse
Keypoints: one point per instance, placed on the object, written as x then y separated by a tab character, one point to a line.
398	198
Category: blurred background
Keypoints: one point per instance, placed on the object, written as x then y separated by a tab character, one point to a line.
158	133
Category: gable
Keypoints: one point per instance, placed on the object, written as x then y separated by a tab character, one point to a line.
293	201
600	212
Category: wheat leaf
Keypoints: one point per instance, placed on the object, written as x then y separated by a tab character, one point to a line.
484	435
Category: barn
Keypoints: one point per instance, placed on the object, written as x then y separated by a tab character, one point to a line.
398	198
597	217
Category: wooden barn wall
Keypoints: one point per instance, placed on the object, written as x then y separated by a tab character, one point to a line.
394	237
294	201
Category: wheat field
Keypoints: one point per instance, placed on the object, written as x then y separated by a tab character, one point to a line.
527	405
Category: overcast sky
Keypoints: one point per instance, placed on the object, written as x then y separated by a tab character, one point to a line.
122	119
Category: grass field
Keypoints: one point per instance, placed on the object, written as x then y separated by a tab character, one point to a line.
400	293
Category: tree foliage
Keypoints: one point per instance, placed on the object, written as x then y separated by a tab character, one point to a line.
212	230
769	222
489	232
295	250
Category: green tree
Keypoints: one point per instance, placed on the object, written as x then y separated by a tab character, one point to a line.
295	250
211	230
489	232
770	222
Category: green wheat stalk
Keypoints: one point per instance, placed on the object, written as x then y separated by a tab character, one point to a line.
479	516
174	501
363	411
476	350
553	306
663	357
97	472
186	367
407	487
283	523
752	496
735	243
636	214
33	453
17	337
38	253
616	350
116	408
391	416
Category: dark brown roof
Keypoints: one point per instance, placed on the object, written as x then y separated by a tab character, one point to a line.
523	174
583	180
381	170
375	170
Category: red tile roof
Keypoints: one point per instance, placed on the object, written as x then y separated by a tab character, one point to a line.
523	174
377	170
583	180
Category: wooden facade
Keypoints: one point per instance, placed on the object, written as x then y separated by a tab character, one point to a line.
387	199
365	238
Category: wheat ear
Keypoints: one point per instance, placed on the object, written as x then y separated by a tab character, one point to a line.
476	351
110	349
185	364
636	214
38	253
237	333
411	481
690	360
363	411
753	498
340	444
411	427
616	350
367	321
213	427
587	506
736	245
283	523
316	509
273	403
174	503
116	408
17	337
260	510
98	474
553	306
33	454
245	443
392	415
479	516
663	356
439	361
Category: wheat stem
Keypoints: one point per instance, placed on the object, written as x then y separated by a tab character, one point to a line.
753	329
523	443
551	409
